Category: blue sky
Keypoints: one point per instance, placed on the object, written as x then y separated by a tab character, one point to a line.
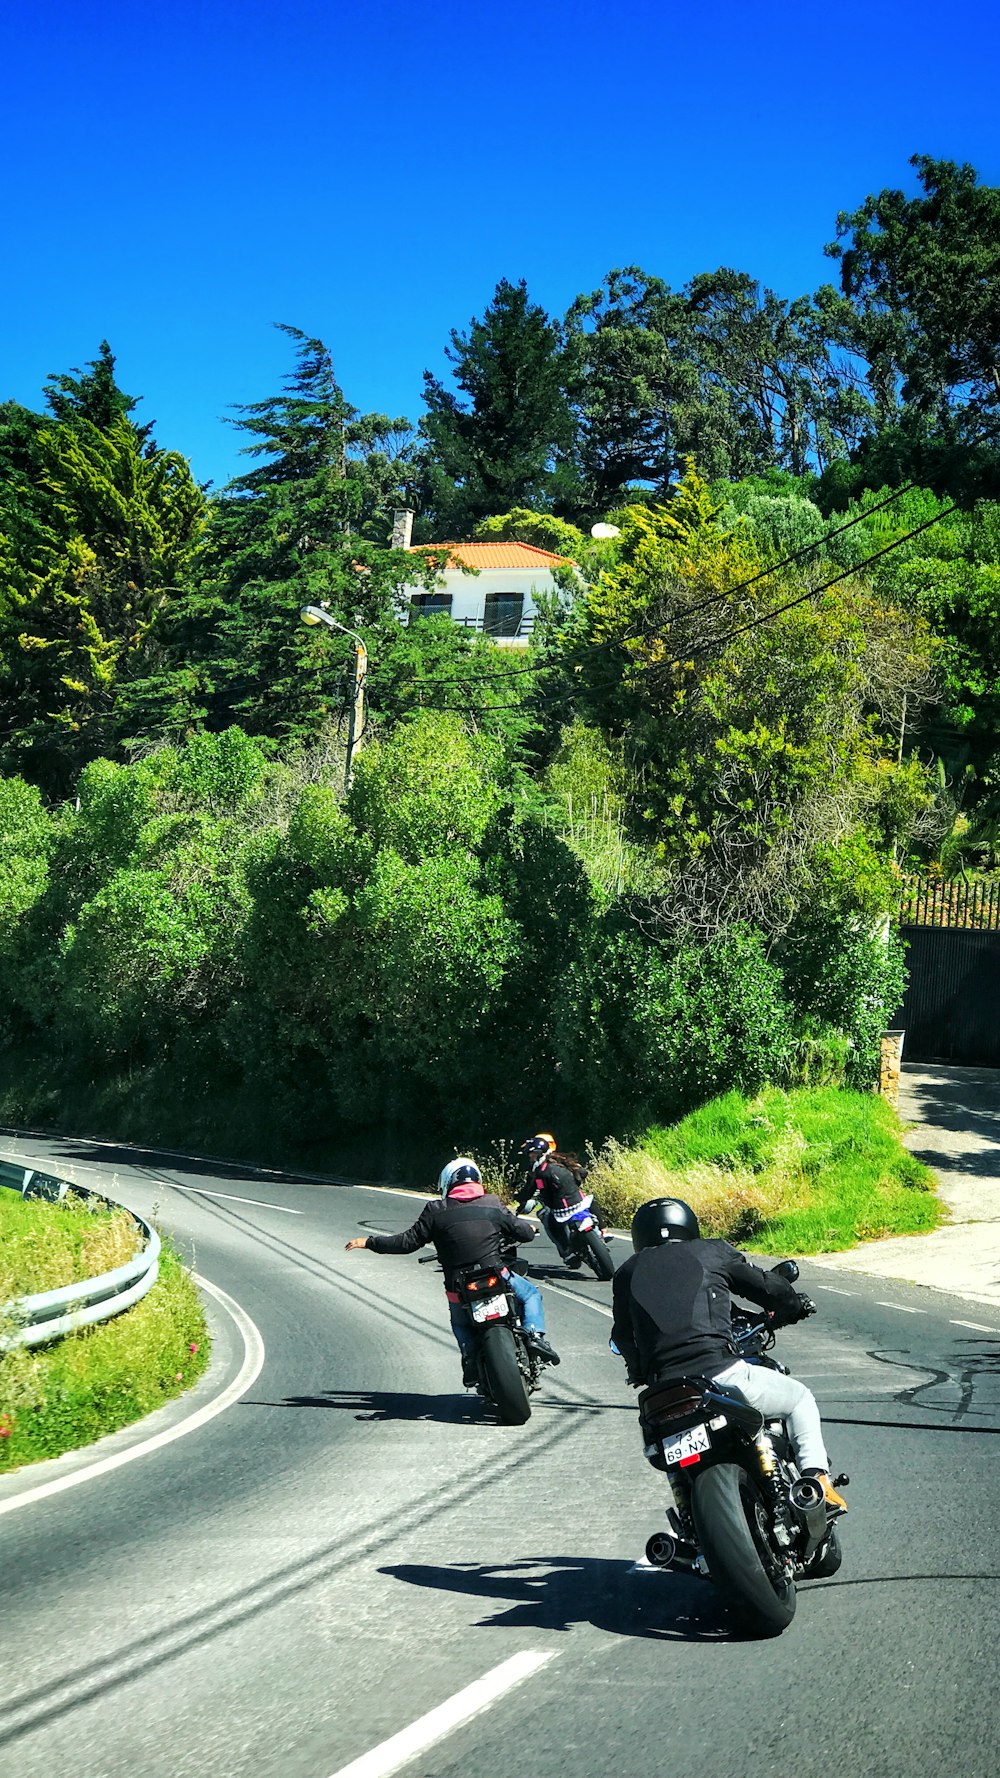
179	178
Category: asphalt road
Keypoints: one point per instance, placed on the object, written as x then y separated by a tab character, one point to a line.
352	1544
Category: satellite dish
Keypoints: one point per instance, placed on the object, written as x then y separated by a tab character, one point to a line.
604	531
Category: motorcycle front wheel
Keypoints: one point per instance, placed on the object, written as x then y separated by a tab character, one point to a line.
731	1521
503	1376
597	1255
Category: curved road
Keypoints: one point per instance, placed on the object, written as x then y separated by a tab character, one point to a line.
352	1544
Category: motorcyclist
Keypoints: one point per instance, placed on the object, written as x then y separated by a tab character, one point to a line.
672	1308
557	1181
470	1227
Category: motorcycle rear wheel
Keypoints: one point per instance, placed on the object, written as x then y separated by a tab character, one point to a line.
728	1512
503	1376
597	1255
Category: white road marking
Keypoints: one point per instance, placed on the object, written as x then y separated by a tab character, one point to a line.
250	1369
904	1308
585	1300
400	1749
832	1288
979	1326
201	1191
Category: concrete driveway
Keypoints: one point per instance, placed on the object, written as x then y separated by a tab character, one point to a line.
954	1119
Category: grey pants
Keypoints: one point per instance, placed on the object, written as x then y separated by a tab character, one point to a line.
782	1398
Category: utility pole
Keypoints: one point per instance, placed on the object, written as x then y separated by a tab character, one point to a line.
356	712
318	614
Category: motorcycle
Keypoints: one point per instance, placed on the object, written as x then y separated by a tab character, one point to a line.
576	1236
508	1370
742	1516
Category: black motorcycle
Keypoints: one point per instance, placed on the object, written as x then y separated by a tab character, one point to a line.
508	1370
576	1236
743	1516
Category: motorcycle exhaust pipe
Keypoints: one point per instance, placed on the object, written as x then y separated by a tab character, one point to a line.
808	1502
661	1549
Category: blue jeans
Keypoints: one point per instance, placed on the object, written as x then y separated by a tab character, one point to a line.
529	1300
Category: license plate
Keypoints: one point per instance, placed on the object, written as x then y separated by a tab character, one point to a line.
490	1309
695	1439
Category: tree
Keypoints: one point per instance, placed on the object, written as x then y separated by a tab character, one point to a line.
499	447
282	535
109	534
722	370
920	284
93	395
541	529
763	746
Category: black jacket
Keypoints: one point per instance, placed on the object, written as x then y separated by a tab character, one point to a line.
466	1233
672	1307
554	1185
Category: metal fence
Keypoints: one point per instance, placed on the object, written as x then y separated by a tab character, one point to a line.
928	901
31	1320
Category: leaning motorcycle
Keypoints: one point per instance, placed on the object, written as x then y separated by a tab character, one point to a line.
576	1236
742	1515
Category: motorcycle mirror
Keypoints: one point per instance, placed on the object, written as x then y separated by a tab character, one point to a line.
614	1348
787	1268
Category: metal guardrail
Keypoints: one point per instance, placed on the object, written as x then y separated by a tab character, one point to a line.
51	1313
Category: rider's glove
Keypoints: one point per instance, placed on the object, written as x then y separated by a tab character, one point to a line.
806	1306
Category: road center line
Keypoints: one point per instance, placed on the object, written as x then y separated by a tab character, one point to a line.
201	1191
401	1748
834	1291
904	1308
249	1371
978	1326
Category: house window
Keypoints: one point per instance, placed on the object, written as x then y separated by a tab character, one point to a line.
503	614
431	605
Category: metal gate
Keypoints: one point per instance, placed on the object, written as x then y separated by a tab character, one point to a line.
951	1009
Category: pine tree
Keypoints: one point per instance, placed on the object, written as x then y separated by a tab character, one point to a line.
498	448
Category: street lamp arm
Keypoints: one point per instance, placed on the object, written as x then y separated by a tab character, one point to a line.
314	614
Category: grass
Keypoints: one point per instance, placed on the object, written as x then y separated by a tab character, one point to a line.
57	1397
43	1245
804	1171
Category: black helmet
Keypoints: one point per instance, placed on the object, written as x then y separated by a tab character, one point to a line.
663	1219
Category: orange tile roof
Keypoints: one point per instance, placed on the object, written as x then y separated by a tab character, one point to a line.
496	555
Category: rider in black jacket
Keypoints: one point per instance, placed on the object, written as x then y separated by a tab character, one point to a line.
557	1181
672	1303
470	1227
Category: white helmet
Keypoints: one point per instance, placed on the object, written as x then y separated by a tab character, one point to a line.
461	1172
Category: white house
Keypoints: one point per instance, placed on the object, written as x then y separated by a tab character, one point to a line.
500	599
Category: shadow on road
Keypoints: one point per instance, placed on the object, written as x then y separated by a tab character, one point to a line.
556	1592
447	1410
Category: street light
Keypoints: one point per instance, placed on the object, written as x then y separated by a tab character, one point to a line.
312	615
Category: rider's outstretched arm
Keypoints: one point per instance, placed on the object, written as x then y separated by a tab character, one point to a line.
417	1235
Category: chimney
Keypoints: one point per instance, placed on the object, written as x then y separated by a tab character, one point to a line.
402	528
